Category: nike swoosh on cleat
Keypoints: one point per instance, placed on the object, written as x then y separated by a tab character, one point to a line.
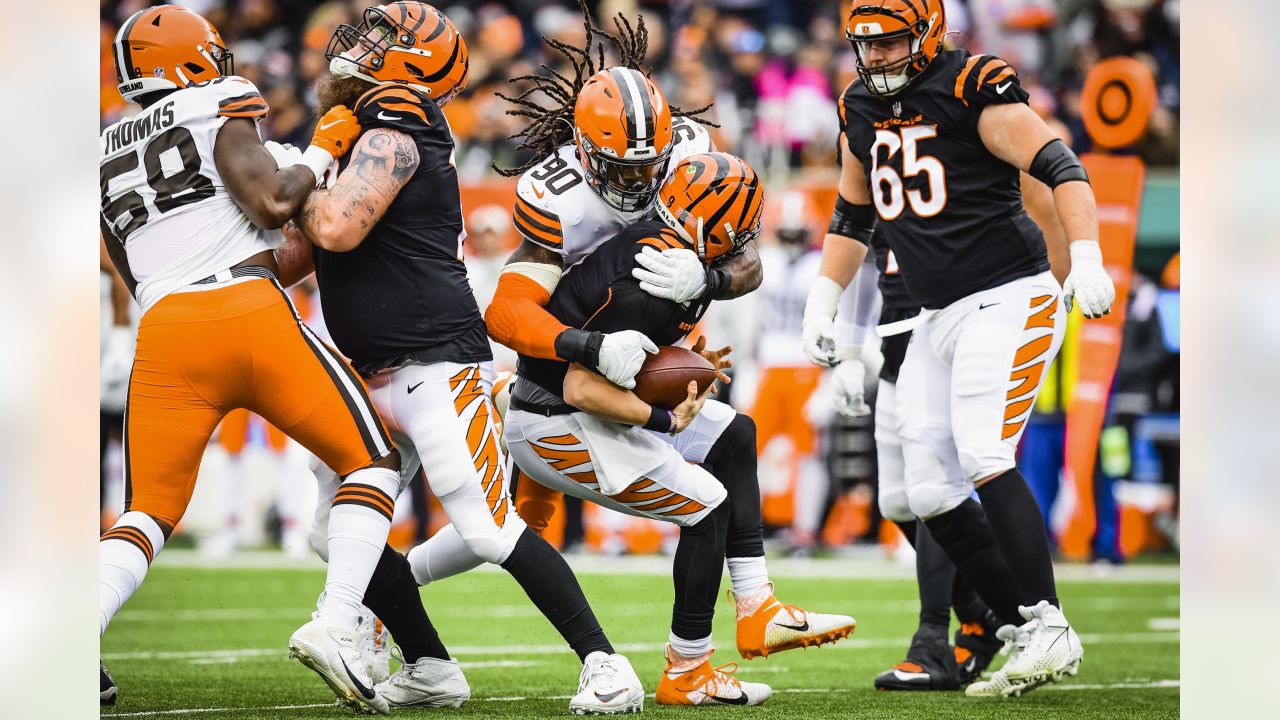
365	691
798	628
909	676
608	697
740	700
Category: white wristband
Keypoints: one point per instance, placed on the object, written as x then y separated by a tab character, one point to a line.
317	160
824	298
1085	251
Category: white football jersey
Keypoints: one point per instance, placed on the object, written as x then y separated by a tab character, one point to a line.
557	209
782	295
162	195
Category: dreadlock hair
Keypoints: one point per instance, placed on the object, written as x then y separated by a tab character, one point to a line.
551	126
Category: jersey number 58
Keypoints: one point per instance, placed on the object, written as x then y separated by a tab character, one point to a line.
886	184
174	184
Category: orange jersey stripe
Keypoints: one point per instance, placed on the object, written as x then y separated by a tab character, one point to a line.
994	65
964	75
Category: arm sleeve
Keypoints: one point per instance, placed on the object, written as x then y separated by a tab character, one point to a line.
517	317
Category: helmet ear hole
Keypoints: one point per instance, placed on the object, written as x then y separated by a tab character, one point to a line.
193	68
414	70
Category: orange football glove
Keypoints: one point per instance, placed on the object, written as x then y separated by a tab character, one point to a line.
337	131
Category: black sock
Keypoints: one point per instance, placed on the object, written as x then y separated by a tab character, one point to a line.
966	537
732	460
393	596
908	531
550	584
969	607
935	574
697	568
1019	529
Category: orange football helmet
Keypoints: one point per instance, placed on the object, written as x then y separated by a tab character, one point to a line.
167	48
922	22
622	125
714	201
405	42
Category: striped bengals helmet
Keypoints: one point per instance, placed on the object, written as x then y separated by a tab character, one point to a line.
923	22
404	42
714	201
167	48
622	125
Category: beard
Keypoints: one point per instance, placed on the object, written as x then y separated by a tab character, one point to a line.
335	90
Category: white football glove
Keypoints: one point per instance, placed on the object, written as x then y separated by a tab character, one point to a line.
621	355
284	155
1088	281
849	385
675	274
818	330
115	366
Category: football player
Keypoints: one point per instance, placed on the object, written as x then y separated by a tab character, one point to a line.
389	263
191	206
933	144
572	429
593	177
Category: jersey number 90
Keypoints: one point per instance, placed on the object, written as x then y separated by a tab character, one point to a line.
886	184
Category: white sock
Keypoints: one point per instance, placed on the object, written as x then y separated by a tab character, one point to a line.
689	648
749	575
443	555
358	526
124	554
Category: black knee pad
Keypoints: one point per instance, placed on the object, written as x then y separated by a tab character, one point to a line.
738	436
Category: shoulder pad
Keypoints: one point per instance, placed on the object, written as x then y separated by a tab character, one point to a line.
236	97
692	137
398	107
535	216
987	80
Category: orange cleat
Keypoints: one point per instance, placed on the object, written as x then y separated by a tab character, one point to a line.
693	681
767	626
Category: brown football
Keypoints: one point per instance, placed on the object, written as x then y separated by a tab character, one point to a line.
663	380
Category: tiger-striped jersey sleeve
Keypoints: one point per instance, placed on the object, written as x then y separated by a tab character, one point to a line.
987	80
535	217
398	107
238	98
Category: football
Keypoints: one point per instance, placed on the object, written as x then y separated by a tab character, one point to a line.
664	378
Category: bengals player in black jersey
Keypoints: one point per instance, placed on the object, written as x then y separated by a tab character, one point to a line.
388	236
933	143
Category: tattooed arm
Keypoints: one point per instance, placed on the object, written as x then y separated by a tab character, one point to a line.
339	219
745	273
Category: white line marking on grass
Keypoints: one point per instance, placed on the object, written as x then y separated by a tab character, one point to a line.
1164	623
1154	684
852	643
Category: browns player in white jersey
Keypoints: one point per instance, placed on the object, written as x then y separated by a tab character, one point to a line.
191	206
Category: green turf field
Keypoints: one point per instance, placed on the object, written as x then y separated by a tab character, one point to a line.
210	643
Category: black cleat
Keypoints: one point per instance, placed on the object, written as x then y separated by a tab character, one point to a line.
976	645
107	694
930	664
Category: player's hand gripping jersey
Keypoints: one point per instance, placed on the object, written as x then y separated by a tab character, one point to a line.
950	209
409	268
161	193
557	209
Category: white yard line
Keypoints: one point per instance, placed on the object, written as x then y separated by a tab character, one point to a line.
852	643
860	564
1148	685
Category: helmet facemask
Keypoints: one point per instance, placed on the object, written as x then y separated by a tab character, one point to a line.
626	184
891	78
369	40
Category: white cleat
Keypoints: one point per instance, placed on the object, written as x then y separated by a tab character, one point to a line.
333	652
375	646
1045	650
608	685
429	682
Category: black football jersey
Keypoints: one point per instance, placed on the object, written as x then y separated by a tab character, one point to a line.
599	293
893	290
403	294
951	211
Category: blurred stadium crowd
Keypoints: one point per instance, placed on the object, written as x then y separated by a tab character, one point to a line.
771	71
